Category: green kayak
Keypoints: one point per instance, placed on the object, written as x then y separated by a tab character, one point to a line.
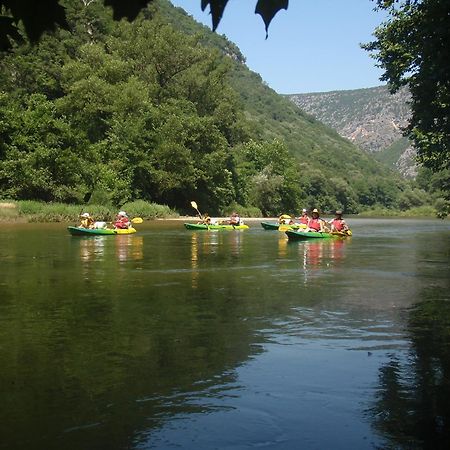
203	226
306	235
79	231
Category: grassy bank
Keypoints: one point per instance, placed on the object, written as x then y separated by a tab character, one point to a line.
33	211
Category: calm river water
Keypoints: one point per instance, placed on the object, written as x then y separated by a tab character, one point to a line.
225	340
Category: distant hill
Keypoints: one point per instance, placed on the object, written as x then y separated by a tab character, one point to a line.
371	118
313	141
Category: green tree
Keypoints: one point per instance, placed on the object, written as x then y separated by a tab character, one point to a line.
412	48
268	177
42	157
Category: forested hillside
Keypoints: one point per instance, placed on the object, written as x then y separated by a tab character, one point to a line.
163	110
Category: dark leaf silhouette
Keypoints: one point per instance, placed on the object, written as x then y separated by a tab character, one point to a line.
38	17
129	9
217	8
267	9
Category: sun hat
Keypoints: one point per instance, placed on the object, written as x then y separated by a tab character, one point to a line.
315	210
85	215
122	213
304	210
338	212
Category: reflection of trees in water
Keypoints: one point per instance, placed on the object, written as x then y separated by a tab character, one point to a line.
413	404
106	367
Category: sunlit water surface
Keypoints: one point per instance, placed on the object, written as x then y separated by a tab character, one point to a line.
225	340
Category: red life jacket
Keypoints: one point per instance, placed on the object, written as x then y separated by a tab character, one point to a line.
338	224
304	219
314	224
122	223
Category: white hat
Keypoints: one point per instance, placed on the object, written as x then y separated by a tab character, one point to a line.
85	215
304	210
122	213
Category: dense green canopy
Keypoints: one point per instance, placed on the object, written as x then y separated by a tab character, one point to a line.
163	110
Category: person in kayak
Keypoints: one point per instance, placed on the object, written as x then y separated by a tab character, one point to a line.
86	221
315	223
304	218
285	219
206	219
235	219
122	221
338	223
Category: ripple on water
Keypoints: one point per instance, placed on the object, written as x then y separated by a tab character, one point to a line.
336	329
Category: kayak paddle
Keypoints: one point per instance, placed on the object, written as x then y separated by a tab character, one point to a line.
194	205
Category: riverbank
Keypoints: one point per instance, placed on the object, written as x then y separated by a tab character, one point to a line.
33	211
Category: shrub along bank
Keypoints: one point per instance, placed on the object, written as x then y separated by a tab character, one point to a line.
34	211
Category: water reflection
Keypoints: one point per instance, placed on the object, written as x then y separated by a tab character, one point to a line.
236	242
207	249
129	247
322	254
124	247
194	260
282	245
92	248
412	405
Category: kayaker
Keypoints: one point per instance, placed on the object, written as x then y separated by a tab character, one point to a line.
338	223
235	219
304	218
206	219
315	223
86	221
285	219
122	221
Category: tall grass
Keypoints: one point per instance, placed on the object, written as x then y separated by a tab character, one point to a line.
34	211
146	210
8	210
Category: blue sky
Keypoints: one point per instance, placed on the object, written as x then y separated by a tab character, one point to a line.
312	47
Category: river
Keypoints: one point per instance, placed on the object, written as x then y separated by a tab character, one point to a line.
172	338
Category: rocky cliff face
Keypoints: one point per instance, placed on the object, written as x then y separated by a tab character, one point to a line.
371	118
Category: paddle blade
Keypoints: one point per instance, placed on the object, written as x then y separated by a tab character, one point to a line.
349	232
194	205
137	220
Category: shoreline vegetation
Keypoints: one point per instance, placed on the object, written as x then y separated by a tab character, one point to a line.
29	211
35	211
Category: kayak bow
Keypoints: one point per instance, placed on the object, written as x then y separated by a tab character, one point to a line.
281	226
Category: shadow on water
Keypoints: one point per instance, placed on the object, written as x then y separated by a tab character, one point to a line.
104	339
412	406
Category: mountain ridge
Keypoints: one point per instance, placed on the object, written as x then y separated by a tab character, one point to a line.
371	118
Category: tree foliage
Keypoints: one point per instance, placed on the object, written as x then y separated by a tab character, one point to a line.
122	111
412	47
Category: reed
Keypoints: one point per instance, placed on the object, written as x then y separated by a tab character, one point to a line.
35	211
